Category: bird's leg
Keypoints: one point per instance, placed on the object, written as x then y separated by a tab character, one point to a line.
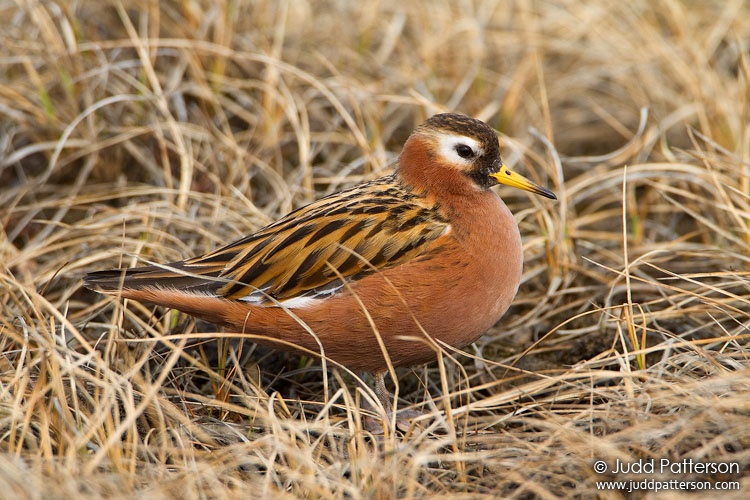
381	391
385	397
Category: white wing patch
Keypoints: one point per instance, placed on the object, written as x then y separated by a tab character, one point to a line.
299	302
261	298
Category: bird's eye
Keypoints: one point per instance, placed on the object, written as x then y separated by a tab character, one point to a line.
464	151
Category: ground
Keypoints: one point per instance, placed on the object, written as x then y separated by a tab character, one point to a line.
135	131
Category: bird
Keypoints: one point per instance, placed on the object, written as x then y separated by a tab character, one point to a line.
376	276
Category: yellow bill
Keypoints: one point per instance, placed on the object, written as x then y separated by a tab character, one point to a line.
509	178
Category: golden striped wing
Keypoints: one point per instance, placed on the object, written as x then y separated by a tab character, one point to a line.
370	227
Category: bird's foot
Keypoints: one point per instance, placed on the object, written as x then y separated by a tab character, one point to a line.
404	421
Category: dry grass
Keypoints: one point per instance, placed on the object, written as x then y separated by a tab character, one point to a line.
137	131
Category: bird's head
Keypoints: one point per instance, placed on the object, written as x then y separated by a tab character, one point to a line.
447	144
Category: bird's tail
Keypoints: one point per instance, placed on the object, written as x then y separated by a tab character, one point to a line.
177	275
175	285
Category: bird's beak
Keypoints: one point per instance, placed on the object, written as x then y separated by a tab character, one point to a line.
509	178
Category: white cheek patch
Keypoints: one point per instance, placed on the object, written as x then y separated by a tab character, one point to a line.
447	149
